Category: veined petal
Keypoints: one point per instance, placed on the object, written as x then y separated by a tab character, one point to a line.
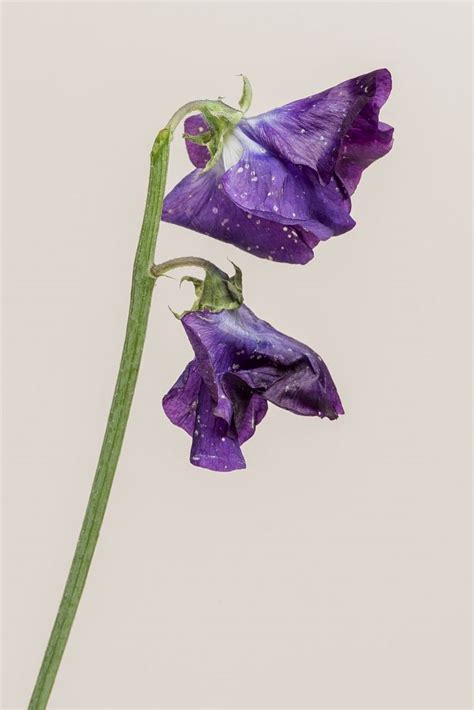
237	344
303	390
270	187
242	363
199	202
363	144
189	405
180	403
310	131
248	408
215	444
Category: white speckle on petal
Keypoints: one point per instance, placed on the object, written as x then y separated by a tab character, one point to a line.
215	210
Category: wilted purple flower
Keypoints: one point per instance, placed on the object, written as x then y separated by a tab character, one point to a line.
241	363
284	180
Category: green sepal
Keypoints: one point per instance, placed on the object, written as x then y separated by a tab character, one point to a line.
246	98
216	291
221	119
200	138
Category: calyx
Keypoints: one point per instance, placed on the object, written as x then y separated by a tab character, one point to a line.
216	291
221	119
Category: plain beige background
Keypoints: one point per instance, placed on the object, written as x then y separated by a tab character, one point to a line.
334	571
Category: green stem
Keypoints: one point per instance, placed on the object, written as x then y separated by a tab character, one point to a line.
140	301
158	270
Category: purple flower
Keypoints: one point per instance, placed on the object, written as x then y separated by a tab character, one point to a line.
241	363
284	180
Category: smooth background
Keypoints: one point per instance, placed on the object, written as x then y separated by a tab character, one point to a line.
334	571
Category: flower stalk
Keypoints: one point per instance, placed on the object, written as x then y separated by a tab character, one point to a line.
143	281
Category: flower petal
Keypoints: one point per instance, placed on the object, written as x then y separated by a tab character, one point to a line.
303	391
267	186
310	131
181	402
215	444
198	154
270	364
189	405
248	408
199	202
362	145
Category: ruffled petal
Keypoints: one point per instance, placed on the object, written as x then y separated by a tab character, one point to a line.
199	202
303	390
180	403
232	345
220	356
241	364
215	443
248	408
189	405
363	144
198	154
269	187
310	131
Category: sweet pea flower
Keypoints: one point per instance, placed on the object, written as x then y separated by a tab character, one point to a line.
241	363
283	180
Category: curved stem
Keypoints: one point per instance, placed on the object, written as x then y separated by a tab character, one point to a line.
198	105
158	270
143	281
140	301
182	112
